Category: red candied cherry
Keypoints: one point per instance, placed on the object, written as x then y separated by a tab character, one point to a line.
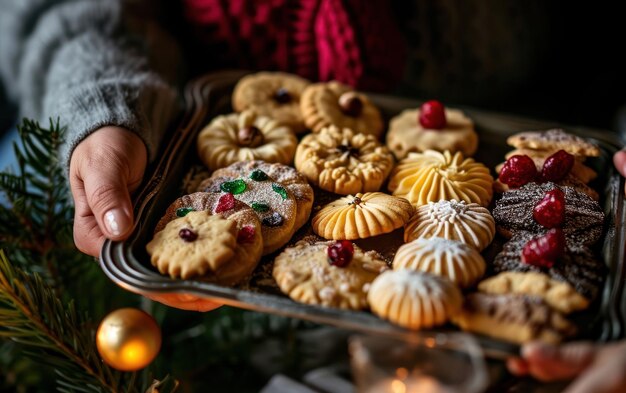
340	253
246	234
517	171
557	166
432	115
550	211
187	235
225	203
545	250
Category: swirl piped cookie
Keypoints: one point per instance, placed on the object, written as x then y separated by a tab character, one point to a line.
432	176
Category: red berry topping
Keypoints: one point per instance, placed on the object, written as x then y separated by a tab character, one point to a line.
187	235
246	234
517	171
432	115
557	166
225	203
550	211
545	250
340	253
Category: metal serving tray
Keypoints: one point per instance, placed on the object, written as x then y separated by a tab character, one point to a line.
128	265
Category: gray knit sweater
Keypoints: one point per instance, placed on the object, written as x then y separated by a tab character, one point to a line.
86	62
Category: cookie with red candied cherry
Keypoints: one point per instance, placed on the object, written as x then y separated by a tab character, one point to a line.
431	127
327	273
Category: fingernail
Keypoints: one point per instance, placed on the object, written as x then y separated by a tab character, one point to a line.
111	221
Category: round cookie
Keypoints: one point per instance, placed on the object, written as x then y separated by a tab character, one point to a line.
361	216
451	259
554	139
245	136
304	273
432	176
469	223
208	246
583	221
333	103
406	134
579	170
273	94
414	300
285	175
274	204
343	161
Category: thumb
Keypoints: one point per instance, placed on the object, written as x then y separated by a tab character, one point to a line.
547	362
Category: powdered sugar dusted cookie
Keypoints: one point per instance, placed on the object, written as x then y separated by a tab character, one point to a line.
554	139
327	273
413	299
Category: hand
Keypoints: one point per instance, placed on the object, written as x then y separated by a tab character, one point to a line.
619	160
599	368
104	169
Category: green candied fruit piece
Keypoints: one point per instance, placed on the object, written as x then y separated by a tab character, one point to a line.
258	175
260	207
280	190
234	186
183	211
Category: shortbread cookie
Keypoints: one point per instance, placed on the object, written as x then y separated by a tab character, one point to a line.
333	103
208	246
327	273
579	170
577	266
413	299
284	175
406	134
274	204
343	161
557	294
361	216
245	136
554	139
514	318
451	259
583	217
432	176
273	94
469	223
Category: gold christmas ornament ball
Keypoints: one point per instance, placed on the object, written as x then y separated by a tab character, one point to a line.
128	339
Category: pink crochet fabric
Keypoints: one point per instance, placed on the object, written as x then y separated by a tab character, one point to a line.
353	41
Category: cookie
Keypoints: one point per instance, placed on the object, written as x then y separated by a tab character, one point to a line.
273	94
284	175
306	273
583	217
579	170
414	300
557	294
361	216
554	139
569	181
274	205
208	246
513	318
578	267
407	135
454	260
245	136
469	223
343	161
333	103
432	176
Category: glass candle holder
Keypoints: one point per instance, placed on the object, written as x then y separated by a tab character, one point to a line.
417	363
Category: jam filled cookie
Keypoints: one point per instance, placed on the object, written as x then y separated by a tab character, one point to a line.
469	223
414	131
208	246
413	299
361	216
327	273
245	136
332	103
456	261
343	161
432	176
273	94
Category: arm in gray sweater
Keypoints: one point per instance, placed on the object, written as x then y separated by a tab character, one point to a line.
80	61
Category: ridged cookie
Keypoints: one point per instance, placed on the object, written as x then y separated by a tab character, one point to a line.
361	216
